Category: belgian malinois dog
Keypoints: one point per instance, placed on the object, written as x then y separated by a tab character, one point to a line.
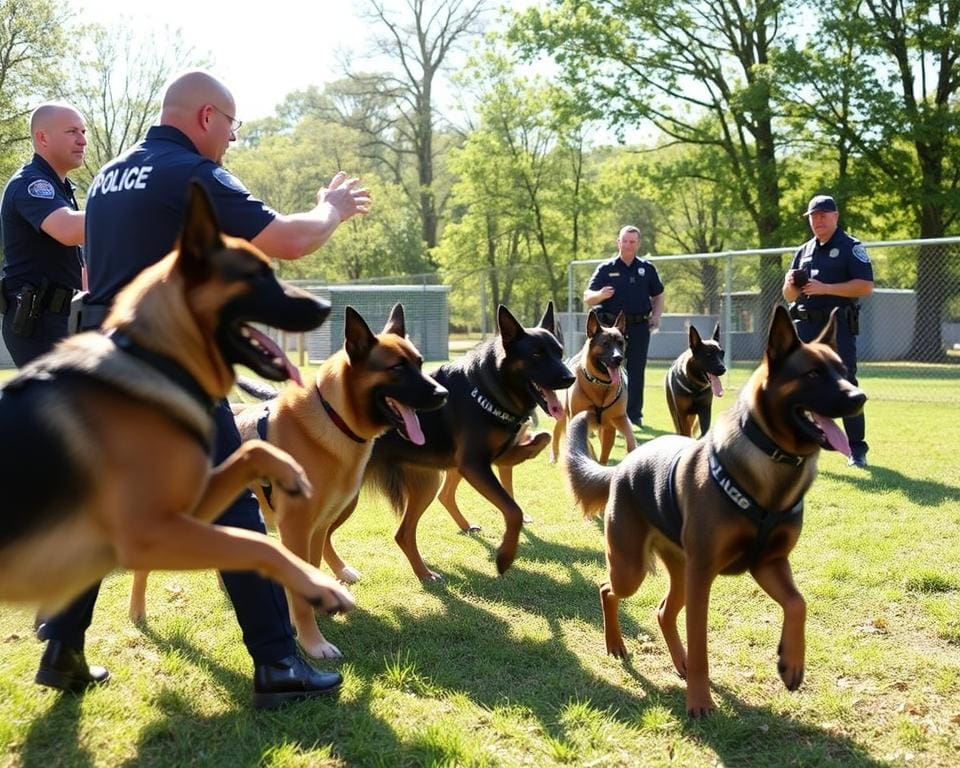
109	436
727	503
373	384
493	390
599	387
693	381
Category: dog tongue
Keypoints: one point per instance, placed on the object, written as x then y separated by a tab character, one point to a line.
715	385
411	424
270	347
614	374
835	437
553	403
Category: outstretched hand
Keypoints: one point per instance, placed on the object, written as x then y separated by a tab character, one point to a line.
346	198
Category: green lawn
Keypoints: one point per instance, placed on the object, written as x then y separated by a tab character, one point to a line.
484	670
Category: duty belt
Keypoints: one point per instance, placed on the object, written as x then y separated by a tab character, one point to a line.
809	315
55	299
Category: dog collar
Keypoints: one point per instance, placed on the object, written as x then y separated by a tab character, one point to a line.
165	365
595	379
499	413
337	419
763	518
757	436
681	380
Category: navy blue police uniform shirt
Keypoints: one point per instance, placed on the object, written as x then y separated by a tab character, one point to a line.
30	254
136	203
634	286
840	259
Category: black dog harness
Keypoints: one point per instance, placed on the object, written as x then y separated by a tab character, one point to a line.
599	409
679	378
765	520
501	415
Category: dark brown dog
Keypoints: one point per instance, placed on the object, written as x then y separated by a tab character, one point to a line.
493	389
725	504
693	381
108	437
599	387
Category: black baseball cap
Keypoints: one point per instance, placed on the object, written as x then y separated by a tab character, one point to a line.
821	203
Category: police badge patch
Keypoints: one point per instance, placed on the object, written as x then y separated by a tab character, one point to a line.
834	252
861	253
41	188
228	180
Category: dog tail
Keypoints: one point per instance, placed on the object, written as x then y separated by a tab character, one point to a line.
388	479
589	482
256	388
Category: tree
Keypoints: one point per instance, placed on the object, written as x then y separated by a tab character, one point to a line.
699	71
31	43
881	78
116	82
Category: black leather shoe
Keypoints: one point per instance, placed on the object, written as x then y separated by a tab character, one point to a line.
66	668
291	679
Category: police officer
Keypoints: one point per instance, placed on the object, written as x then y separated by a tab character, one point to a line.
42	230
631	285
134	213
831	270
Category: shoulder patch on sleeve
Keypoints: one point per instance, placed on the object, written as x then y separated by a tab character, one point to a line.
228	180
861	253
41	188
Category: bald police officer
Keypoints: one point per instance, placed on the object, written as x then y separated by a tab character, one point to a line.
630	285
831	270
134	213
42	231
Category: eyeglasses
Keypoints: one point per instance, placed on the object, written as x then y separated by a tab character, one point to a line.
234	123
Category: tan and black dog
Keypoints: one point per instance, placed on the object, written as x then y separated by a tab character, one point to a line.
693	381
107	438
493	390
599	387
727	503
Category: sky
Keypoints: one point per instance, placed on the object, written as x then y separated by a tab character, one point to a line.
261	56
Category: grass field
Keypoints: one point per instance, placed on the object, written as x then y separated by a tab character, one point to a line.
480	670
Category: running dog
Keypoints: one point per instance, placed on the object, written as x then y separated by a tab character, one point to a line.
108	437
724	504
493	389
600	386
692	382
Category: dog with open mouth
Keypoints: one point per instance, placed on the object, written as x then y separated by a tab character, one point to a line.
727	503
110	435
494	389
693	381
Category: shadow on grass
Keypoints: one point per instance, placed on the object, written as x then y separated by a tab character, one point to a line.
926	493
54	739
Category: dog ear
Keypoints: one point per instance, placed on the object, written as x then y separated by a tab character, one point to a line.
593	324
358	339
510	329
716	332
694	336
621	322
548	321
828	335
200	234
395	323
782	339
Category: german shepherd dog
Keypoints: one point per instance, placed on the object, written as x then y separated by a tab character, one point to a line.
108	437
724	504
599	387
493	389
692	382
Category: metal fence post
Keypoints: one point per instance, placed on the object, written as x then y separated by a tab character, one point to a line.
728	312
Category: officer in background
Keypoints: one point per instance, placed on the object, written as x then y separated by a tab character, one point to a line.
42	231
632	286
135	209
831	270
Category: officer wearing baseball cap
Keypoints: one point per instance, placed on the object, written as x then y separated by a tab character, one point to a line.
831	270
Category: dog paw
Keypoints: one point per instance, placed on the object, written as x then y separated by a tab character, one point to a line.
322	650
348	575
790	669
430	577
471	530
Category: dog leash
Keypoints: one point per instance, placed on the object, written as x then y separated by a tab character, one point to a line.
337	419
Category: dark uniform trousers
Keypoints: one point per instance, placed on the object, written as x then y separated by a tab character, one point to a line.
259	603
638	344
854	426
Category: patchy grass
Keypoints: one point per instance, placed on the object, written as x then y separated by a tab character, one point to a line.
480	670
